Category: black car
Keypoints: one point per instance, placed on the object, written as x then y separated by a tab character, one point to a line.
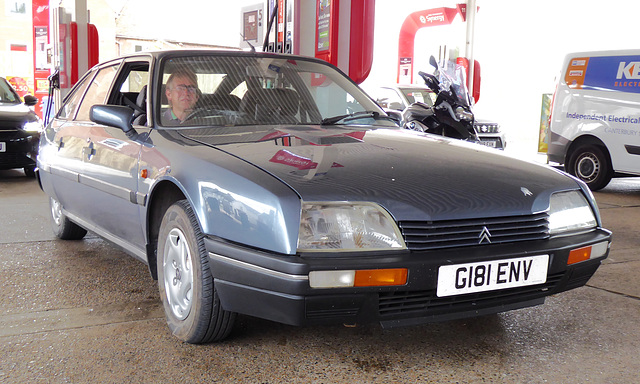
20	130
273	186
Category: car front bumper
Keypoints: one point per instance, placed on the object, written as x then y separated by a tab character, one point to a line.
18	149
276	287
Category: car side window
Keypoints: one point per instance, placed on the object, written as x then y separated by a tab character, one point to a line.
130	90
97	92
70	107
388	98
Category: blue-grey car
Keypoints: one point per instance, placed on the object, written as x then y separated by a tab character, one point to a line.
272	186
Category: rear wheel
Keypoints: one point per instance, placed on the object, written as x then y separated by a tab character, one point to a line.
591	164
191	304
62	227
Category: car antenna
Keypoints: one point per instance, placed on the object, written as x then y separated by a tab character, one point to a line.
253	49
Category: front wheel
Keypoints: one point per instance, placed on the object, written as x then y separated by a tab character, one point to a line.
30	171
191	303
591	164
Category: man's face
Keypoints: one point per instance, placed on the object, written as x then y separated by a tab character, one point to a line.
182	94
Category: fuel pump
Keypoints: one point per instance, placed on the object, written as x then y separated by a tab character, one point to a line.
75	50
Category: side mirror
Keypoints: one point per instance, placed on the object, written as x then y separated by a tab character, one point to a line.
433	62
430	81
30	100
117	116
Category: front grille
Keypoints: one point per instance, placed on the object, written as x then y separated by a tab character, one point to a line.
486	127
427	303
428	235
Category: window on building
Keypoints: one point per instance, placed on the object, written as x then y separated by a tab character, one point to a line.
16	7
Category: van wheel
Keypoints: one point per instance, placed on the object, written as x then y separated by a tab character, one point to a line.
590	164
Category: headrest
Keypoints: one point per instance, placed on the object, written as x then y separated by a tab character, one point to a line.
142	97
284	100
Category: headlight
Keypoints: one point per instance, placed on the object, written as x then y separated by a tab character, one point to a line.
569	212
326	226
32	126
463	114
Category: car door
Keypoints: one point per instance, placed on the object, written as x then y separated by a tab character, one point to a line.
60	161
111	161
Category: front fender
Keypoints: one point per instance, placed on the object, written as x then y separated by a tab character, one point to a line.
234	200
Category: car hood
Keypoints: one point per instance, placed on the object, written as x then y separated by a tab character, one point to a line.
414	176
15	115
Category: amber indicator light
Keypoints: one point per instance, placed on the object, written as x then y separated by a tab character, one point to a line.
578	255
144	173
380	277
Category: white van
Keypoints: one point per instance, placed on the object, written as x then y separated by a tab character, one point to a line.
595	119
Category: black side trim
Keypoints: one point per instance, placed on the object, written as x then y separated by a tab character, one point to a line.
632	149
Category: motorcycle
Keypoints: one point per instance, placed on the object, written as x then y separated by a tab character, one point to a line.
451	114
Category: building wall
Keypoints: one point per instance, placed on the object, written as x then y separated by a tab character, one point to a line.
16	40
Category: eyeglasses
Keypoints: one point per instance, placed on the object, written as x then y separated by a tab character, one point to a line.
186	88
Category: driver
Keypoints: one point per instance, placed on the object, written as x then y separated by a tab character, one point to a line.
182	93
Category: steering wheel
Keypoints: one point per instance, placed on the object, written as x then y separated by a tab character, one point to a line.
198	113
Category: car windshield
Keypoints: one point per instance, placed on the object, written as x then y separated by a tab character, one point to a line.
231	90
414	95
7	94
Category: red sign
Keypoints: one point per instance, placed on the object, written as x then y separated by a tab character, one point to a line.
411	25
40	10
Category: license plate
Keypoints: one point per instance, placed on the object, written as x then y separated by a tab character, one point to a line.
3	146
485	276
491	144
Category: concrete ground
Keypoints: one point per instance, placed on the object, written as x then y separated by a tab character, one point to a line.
83	311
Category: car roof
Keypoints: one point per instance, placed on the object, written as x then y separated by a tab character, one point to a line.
158	55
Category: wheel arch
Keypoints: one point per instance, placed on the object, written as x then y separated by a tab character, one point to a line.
163	195
585	140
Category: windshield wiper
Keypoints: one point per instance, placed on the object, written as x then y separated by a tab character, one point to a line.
350	116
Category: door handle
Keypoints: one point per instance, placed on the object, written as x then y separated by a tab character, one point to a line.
89	151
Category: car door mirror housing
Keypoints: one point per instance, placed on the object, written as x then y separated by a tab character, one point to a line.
114	116
30	100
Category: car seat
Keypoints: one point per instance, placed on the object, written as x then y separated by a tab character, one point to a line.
140	113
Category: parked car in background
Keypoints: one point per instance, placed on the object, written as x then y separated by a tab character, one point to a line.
399	97
20	130
272	186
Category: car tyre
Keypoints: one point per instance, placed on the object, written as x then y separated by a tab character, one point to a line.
591	164
62	227
192	307
30	171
